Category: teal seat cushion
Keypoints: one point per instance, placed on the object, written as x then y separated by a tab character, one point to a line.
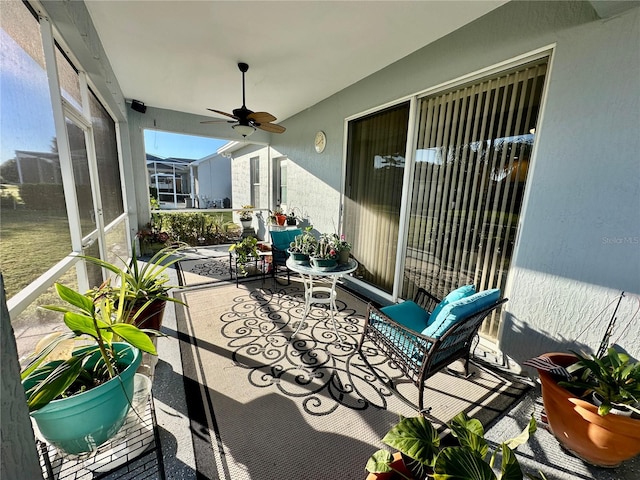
457	294
282	238
459	310
408	314
405	343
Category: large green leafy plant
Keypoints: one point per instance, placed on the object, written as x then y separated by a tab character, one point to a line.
96	323
614	378
419	443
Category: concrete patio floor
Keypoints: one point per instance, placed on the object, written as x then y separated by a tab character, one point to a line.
543	453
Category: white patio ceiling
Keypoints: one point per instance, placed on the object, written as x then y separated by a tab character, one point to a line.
182	55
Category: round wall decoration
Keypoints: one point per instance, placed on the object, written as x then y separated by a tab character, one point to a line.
320	141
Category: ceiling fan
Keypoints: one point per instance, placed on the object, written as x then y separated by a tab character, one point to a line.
246	121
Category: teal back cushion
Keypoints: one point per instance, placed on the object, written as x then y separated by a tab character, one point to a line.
409	314
459	310
457	294
282	238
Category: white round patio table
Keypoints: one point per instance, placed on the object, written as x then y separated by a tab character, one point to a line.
316	293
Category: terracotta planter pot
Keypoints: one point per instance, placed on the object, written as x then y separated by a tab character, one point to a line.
603	441
151	317
397	464
281	219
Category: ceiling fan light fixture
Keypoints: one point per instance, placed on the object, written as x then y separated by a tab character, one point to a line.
244	130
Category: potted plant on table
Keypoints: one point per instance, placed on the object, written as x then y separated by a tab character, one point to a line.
326	255
303	246
342	246
422	455
81	401
597	434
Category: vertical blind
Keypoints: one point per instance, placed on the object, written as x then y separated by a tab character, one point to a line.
472	155
373	194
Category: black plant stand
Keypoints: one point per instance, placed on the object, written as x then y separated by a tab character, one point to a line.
259	265
134	453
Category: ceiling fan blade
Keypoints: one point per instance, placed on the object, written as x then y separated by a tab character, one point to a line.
247	117
271	127
222	113
219	121
261	117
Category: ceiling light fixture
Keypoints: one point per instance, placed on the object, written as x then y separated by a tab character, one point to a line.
244	130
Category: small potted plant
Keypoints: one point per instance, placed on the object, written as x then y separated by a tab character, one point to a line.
422	455
325	257
342	247
245	250
246	216
279	215
271	219
303	246
292	219
81	401
593	432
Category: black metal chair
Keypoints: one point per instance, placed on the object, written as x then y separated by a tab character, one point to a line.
419	356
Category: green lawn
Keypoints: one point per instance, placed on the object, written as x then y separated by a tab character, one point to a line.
31	242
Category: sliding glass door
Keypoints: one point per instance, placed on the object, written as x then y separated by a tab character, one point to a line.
473	144
472	156
373	192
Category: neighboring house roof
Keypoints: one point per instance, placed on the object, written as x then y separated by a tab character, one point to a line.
169	160
153	158
171	164
48	156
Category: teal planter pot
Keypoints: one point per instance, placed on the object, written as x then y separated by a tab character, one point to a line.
83	422
323	264
298	257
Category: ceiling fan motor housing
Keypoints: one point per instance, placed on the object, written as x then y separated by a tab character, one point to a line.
249	118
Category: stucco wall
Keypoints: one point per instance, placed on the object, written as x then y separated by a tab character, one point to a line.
579	244
580	240
214	178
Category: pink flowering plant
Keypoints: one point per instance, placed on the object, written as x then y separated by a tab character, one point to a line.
343	244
